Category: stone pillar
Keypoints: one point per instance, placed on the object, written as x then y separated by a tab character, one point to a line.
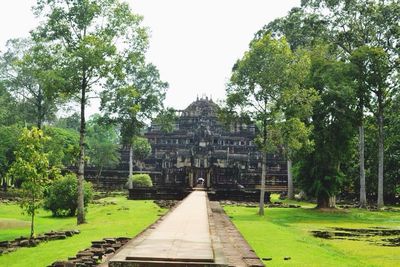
208	179
191	179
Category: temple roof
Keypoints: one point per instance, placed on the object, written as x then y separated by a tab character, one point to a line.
202	106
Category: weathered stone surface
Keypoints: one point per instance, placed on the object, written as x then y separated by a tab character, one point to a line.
24	243
225	241
84	253
166	204
60	236
110	240
110	250
201	149
5	244
99	250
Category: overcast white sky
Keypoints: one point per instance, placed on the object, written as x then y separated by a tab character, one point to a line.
194	43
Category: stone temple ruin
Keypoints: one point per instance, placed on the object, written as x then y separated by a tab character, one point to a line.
202	149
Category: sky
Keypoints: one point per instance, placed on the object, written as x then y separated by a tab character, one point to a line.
194	43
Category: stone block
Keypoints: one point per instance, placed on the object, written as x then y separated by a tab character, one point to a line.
110	240
24	243
110	250
83	254
5	244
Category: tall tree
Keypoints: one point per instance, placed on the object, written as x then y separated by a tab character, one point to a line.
319	173
373	65
94	38
257	84
296	107
352	25
133	101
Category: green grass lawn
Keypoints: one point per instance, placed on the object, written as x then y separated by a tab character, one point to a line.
125	218
286	232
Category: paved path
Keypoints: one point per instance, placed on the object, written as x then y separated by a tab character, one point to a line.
183	236
189	235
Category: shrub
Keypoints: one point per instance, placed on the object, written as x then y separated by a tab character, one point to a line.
62	196
141	180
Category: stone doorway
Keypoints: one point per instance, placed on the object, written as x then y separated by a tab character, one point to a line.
199	178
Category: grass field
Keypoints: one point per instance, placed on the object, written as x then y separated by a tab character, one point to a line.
285	232
123	218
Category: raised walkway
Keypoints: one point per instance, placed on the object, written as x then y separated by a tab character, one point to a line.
194	233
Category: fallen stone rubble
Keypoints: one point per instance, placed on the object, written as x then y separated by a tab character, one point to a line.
166	204
96	254
275	204
10	246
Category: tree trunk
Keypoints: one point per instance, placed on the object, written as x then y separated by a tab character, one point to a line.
33	220
290	179
40	109
98	176
4	183
262	185
380	153
81	162
332	202
130	185
361	147
322	202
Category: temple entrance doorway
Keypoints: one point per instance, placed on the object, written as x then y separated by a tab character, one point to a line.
199	178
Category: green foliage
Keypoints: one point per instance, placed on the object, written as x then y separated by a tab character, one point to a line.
63	146
166	120
128	103
103	144
319	173
61	196
32	167
8	107
141	180
69	122
302	30
392	160
267	85
9	141
29	72
141	148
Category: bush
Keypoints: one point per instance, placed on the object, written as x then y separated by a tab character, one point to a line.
141	180
62	196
